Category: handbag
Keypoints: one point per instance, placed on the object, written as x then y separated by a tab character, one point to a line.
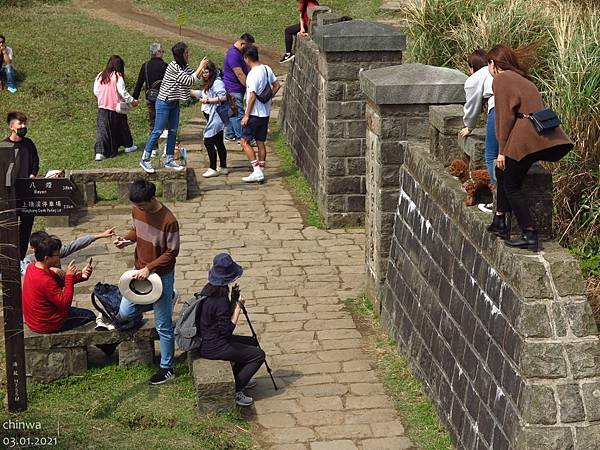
232	105
153	89
543	120
122	108
267	93
224	112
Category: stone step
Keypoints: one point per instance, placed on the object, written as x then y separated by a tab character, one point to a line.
214	384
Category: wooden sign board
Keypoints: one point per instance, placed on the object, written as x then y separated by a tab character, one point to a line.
45	196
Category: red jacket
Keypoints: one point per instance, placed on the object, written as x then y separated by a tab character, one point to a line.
45	303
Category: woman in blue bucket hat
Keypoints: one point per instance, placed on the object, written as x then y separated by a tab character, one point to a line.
217	323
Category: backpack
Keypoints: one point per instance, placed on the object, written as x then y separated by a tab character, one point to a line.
187	330
106	298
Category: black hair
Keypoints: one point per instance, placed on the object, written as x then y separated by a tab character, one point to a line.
36	238
251	53
47	247
247	38
141	190
15	115
115	64
211	290
2	37
477	60
179	54
212	68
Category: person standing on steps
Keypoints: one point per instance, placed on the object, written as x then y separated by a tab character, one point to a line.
175	87
299	29
29	165
155	233
112	129
261	87
151	75
234	77
211	95
520	145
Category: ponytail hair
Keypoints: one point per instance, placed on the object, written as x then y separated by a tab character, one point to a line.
506	58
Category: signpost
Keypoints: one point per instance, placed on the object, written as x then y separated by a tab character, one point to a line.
34	197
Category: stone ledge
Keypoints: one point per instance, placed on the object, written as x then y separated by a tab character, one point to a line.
413	84
359	36
107	175
214	384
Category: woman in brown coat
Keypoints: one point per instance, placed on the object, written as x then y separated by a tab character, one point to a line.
520	145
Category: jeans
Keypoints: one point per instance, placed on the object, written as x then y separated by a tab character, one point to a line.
163	318
491	144
510	183
234	130
77	317
290	32
167	116
245	356
9	71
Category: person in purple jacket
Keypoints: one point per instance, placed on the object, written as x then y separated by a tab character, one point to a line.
234	77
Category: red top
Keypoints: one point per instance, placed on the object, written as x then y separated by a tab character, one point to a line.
45	304
305	18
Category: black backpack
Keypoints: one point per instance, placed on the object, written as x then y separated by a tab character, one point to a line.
106	298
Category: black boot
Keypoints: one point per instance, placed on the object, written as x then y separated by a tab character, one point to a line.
498	226
529	240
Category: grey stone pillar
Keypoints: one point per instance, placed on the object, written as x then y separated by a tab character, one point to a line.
397	113
323	114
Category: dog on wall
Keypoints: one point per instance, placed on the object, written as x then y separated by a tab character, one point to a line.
472	180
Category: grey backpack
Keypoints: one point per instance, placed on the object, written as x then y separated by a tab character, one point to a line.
187	329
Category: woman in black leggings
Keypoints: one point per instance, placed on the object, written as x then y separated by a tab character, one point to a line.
217	322
300	28
212	94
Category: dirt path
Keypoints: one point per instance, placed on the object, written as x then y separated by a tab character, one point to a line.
124	14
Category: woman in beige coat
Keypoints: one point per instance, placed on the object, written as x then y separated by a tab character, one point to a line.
520	145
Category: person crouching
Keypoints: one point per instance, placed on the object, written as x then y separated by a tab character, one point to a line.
217	323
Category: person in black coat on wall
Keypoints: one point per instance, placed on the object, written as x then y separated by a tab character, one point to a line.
217	322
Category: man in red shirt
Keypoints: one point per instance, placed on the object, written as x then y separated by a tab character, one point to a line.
47	297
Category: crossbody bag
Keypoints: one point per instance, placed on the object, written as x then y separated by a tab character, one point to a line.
154	89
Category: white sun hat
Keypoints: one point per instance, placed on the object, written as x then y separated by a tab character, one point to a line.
142	292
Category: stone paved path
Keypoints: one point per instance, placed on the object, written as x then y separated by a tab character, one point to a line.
295	282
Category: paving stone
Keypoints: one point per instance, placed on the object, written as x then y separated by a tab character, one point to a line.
356	430
314	418
366	388
290	435
335	344
273	405
276	420
356	366
324	390
338	355
320	403
316	324
394	443
366	402
342	444
337	334
356	377
303	380
371	416
385	429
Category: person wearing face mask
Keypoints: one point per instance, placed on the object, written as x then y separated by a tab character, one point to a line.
29	165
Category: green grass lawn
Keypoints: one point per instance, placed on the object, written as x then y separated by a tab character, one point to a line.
59	52
113	407
264	19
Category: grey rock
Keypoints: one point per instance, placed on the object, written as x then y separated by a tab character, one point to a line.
538	405
358	36
214	384
591	398
571	405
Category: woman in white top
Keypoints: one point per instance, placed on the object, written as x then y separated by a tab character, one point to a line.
112	129
213	94
478	88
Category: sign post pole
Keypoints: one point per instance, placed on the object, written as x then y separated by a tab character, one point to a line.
10	276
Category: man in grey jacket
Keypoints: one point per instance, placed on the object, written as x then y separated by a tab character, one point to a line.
66	250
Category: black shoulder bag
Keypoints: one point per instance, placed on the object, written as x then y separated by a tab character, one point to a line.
267	93
543	120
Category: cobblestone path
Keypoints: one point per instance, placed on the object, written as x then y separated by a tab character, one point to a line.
296	279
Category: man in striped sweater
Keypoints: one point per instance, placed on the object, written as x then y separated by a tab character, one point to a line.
156	235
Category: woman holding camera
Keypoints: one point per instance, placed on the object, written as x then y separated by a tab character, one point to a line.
217	322
520	145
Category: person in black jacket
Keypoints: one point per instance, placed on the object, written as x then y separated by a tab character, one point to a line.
217	322
151	74
29	165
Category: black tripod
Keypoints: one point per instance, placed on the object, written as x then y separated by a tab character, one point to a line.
235	296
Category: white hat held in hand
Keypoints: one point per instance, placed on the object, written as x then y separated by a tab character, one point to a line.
142	292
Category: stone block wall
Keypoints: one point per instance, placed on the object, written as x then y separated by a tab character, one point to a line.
323	111
503	340
397	112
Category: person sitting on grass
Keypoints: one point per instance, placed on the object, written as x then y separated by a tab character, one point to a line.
47	297
66	250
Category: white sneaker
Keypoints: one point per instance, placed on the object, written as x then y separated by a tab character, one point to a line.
174	166
164	134
242	399
147	166
133	148
487	208
223	170
210	173
101	325
255	177
252	383
11	89
100	157
229	139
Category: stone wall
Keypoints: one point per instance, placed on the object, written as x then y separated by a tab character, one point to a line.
503	340
323	111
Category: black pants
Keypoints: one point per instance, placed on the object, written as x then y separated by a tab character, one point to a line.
77	317
112	132
290	32
245	356
25	227
510	196
213	146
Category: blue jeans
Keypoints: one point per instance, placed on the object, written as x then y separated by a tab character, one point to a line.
163	318
234	130
491	144
167	116
77	317
10	75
